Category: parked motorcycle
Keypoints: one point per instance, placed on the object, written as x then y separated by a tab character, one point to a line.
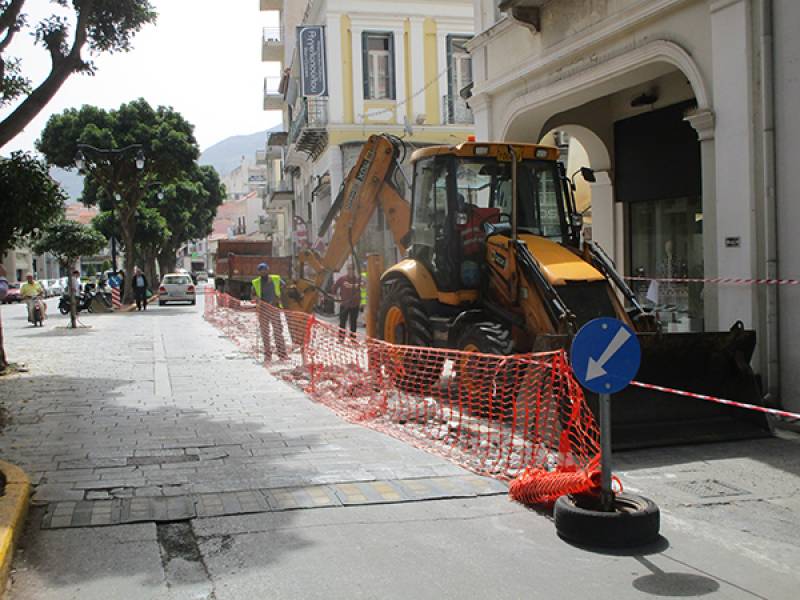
84	300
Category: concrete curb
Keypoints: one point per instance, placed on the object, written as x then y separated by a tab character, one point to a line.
13	509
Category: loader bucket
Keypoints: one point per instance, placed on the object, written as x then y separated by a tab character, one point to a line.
715	364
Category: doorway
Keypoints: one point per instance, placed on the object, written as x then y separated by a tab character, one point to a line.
658	177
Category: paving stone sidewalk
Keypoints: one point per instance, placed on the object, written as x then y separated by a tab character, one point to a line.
155	416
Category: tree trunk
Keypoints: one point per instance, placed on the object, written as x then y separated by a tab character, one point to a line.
63	65
127	232
73	303
3	361
149	260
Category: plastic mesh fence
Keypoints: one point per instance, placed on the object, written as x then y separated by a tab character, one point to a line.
521	418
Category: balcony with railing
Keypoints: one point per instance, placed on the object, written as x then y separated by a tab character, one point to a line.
273	99
308	130
272	44
455	111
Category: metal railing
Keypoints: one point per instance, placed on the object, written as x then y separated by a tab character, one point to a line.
313	114
272	84
272	34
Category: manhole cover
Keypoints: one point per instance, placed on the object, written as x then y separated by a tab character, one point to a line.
708	488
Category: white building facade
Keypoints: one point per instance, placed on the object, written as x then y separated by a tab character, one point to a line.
685	111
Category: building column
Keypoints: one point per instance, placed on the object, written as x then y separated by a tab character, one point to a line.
734	224
603	230
482	112
335	73
417	49
703	122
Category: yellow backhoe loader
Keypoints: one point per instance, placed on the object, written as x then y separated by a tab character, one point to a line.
495	263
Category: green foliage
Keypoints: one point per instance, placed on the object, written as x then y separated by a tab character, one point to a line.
189	206
29	198
152	231
68	241
12	83
102	25
167	141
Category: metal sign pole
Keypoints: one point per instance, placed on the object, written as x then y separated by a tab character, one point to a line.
606	493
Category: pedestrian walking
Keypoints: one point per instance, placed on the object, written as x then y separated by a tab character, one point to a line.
348	289
75	282
267	288
140	289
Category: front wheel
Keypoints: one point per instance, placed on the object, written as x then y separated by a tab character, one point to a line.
402	320
64	310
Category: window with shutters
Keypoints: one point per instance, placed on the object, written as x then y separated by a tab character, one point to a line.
459	67
378	66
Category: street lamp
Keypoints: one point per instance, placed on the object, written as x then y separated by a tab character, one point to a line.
111	155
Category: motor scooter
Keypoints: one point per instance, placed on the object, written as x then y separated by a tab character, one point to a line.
36	313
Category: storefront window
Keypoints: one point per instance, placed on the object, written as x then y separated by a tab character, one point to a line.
667	243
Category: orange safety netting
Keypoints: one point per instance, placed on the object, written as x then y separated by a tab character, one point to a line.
521	418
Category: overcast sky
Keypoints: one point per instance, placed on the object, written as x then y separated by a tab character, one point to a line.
203	58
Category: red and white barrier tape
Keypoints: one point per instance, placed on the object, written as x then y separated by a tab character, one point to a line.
719	280
763	409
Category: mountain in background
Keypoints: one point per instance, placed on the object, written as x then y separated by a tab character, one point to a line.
226	155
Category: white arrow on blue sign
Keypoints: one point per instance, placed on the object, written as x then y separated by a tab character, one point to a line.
605	355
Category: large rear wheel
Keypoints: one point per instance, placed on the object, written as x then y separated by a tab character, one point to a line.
496	387
402	320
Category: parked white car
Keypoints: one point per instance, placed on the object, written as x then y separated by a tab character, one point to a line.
176	287
54	287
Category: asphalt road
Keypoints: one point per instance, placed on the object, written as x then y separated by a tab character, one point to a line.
157	414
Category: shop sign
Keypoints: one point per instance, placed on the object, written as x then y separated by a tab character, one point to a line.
313	76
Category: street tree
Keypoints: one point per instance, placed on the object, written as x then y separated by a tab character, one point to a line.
167	142
68	241
29	198
97	25
189	207
152	234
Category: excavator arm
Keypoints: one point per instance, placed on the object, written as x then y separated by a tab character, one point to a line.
367	186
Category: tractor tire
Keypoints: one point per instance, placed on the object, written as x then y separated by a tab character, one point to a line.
634	522
487	337
402	320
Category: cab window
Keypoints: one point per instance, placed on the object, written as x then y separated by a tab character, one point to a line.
430	201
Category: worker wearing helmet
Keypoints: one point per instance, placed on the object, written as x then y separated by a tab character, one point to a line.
267	296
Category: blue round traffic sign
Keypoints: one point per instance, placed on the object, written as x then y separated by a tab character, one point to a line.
605	355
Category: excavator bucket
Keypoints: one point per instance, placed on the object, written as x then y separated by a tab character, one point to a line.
714	364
